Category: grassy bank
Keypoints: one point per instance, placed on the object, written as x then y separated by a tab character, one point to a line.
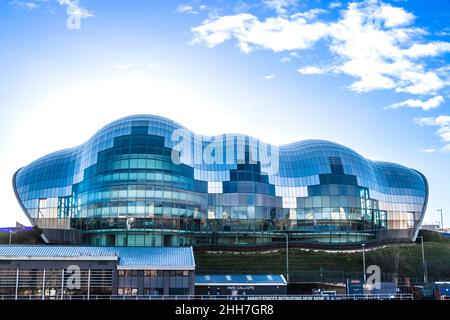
21	237
404	260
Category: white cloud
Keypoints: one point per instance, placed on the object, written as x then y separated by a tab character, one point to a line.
269	77
24	4
430	49
427	150
429	104
420	82
443	33
75	10
276	34
186	8
394	16
371	41
308	15
280	6
372	81
335	4
311	70
443	122
444	133
289	57
214	32
433	121
378	48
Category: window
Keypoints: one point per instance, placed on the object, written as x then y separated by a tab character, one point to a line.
42	209
179	291
127	291
150	273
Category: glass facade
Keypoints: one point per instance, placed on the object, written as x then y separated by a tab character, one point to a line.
132	184
153	282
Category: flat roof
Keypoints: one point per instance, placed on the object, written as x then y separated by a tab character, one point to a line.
156	258
240	279
14	229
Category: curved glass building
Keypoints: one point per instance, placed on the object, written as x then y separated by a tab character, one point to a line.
146	181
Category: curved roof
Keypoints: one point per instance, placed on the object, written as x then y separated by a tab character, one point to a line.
298	159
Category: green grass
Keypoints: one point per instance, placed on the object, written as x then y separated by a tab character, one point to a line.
21	237
404	260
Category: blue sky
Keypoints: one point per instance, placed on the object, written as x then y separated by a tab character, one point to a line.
370	75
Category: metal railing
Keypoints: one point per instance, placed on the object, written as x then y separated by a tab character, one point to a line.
403	296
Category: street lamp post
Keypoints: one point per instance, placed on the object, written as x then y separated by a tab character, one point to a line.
364	261
10	236
287	256
425	275
442	219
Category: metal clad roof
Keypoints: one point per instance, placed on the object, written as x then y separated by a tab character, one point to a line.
159	256
254	279
129	257
14	229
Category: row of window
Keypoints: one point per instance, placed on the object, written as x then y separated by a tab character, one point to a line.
169	209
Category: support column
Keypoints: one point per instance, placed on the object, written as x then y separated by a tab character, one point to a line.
17	283
192	282
62	285
166	282
140	282
89	284
43	285
115	281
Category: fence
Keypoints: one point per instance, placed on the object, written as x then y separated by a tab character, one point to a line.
330	276
403	296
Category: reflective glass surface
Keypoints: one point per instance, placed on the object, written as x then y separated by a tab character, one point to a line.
125	187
